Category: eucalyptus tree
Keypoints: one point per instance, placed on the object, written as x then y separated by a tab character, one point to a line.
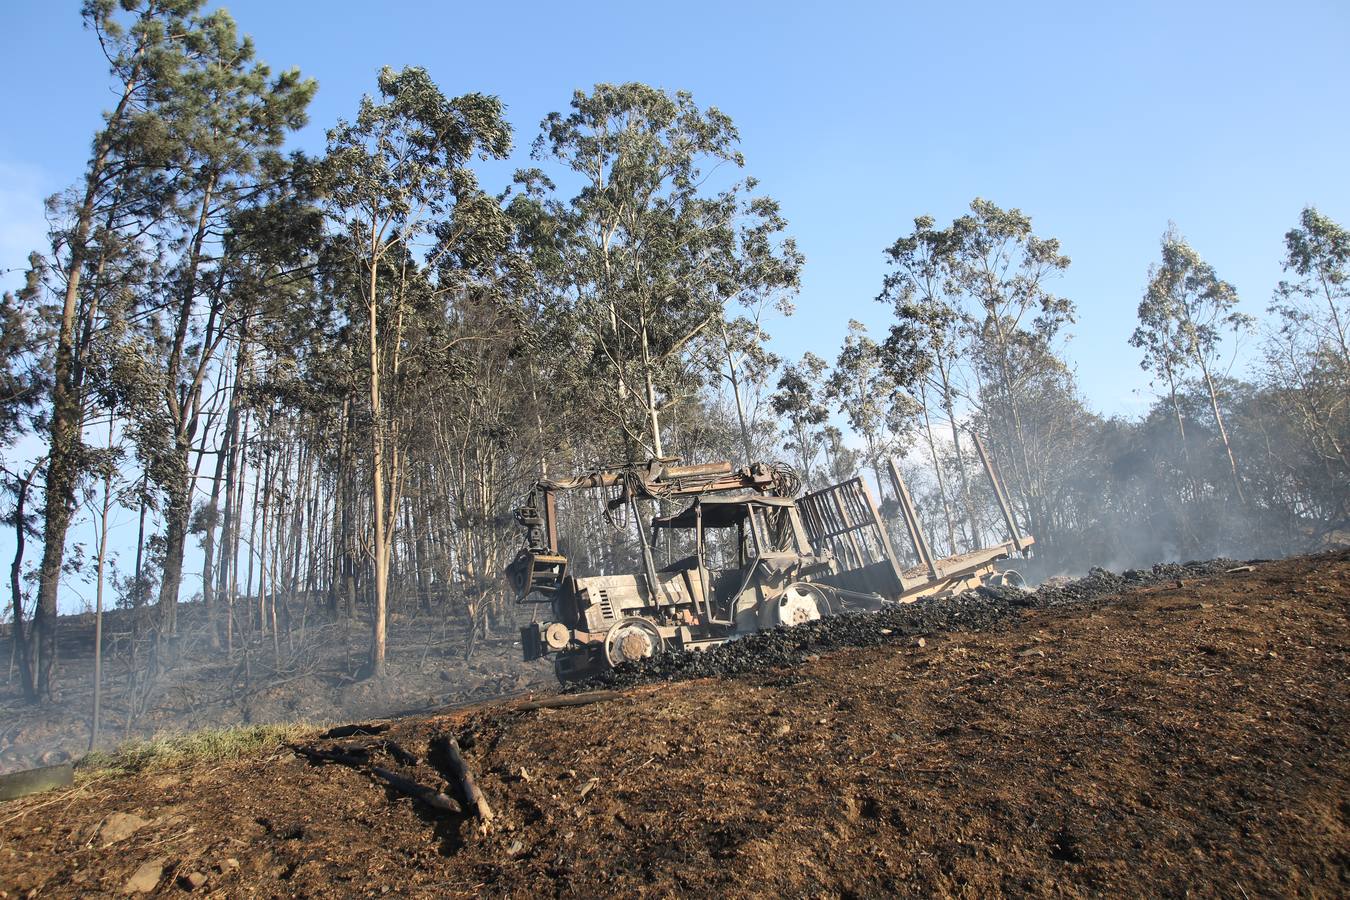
1160	337
549	340
1182	317
737	355
766	268
841	460
926	343
1308	356
1307	363
866	393
1004	270
470	373
1318	303
281	331
800	399
388	174
911	353
657	258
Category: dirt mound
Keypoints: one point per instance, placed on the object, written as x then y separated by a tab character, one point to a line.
1149	739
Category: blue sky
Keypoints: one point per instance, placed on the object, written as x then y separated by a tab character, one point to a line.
1101	121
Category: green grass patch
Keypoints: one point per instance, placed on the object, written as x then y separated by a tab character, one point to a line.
198	746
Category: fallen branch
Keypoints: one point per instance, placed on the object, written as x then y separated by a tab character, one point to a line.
433	798
469	791
403	757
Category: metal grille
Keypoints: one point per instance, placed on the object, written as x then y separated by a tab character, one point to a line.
606	607
843	520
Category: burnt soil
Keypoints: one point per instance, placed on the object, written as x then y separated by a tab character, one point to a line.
1180	731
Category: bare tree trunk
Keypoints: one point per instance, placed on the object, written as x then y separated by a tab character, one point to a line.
252	545
228	453
976	539
19	641
98	601
380	612
183	410
1223	432
209	539
239	465
734	377
418	528
937	470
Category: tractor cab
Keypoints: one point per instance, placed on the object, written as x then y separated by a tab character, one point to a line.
735	551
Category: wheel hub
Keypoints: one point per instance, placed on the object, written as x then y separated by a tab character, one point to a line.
630	640
633	644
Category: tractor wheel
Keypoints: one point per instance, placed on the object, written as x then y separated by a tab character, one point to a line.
632	639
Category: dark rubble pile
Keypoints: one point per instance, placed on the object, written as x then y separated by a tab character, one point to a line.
978	610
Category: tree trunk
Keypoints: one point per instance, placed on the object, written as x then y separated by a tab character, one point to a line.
19	640
1223	432
976	539
735	380
183	411
421	549
937	470
176	512
653	415
209	539
380	613
66	416
229	454
239	464
98	604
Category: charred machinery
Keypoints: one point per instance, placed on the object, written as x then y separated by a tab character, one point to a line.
739	552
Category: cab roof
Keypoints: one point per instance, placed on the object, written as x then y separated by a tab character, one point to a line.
720	510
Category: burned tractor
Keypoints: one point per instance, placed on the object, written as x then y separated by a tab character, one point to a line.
744	554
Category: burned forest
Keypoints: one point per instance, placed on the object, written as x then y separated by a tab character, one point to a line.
405	407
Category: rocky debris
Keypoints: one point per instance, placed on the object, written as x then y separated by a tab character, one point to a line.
120	826
192	880
144	879
982	609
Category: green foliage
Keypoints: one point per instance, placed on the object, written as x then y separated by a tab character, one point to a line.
404	160
861	386
1315	310
923	289
396	349
653	260
24	358
800	399
1185	310
1306	370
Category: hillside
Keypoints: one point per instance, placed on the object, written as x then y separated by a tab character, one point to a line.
1175	735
